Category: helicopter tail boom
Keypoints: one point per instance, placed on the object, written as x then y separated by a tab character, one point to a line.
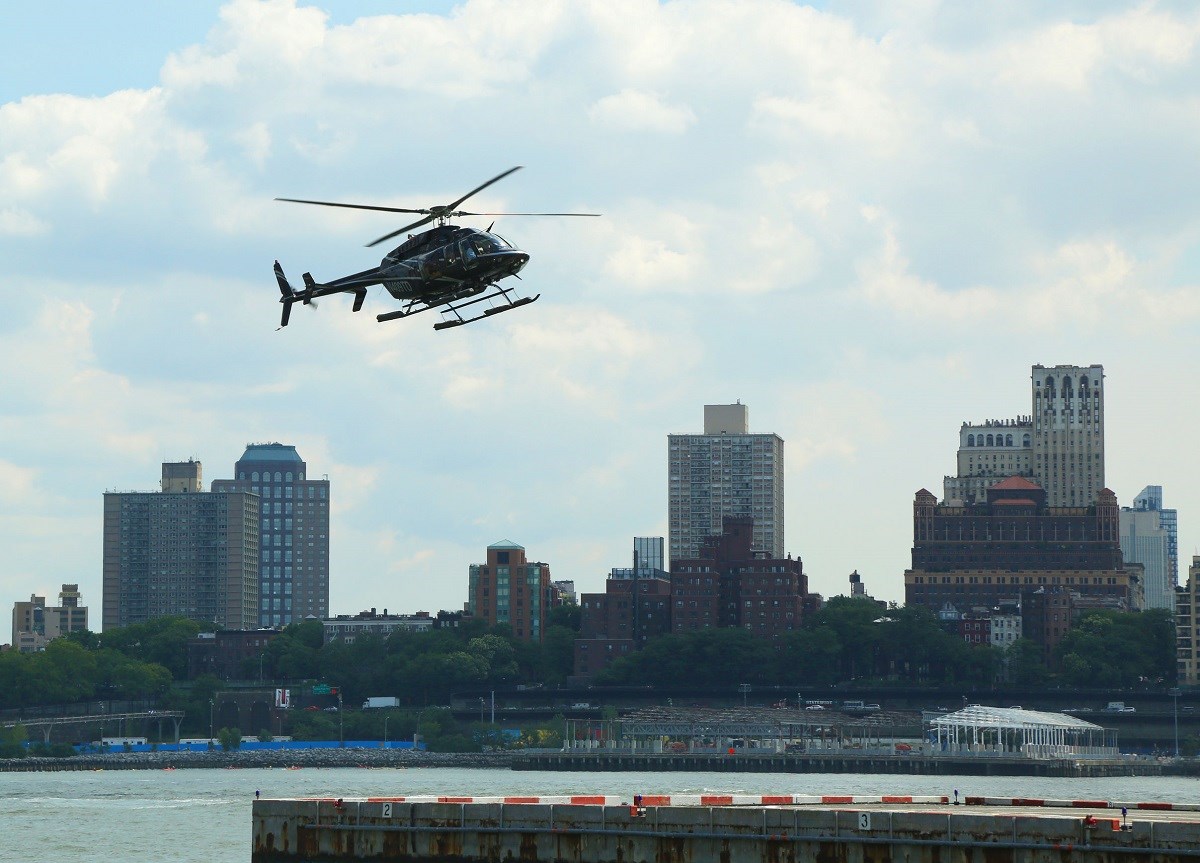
313	289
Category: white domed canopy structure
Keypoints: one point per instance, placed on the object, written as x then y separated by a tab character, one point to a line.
1015	731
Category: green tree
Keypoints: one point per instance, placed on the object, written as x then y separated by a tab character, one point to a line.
162	640
1026	661
1114	649
567	616
230	739
12	741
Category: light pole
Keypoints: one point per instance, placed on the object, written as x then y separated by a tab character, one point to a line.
385	721
211	703
417	736
260	660
1174	693
341	733
745	687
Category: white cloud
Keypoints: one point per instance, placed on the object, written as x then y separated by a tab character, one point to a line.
866	220
16	222
1140	43
634	111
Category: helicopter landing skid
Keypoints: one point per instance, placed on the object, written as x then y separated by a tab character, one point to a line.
458	320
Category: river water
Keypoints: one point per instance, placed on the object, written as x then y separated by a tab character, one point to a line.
203	816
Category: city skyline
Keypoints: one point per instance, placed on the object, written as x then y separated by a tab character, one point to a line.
867	221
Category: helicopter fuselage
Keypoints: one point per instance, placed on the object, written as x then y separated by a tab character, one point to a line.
447	268
451	260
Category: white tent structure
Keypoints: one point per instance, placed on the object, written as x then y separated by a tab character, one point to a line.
982	730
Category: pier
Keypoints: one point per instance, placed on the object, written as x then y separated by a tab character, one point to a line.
835	762
725	828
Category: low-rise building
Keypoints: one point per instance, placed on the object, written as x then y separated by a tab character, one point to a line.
1013	549
346	627
34	624
634	608
229	654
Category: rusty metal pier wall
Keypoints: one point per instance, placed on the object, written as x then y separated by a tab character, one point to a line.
381	830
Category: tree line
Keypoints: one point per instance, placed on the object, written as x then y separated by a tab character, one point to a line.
848	640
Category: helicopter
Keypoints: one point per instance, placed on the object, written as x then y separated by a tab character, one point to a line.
447	267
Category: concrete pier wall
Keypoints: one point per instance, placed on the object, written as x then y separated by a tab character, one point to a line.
382	830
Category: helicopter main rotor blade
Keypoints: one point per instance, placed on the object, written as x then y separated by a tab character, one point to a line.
354	206
524	214
399	231
481	188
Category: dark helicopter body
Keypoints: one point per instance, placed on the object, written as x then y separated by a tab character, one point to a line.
448	256
438	268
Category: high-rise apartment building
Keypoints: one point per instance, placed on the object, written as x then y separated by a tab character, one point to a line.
293	572
725	472
1187	638
1068	433
1145	540
181	551
510	590
1148	537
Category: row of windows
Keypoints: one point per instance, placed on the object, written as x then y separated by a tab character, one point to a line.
1015	579
997	440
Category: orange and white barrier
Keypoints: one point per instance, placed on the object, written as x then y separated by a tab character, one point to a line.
673	800
1081	804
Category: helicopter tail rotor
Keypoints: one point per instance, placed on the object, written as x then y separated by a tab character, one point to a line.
288	295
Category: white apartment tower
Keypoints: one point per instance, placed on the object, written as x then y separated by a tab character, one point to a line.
724	472
1068	433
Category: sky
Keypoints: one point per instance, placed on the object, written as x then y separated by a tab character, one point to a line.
865	220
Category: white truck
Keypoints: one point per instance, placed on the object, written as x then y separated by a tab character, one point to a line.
1119	707
381	701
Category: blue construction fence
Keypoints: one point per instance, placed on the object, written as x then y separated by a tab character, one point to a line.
251	745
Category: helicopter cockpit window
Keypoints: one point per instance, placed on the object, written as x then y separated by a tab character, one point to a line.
482	244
